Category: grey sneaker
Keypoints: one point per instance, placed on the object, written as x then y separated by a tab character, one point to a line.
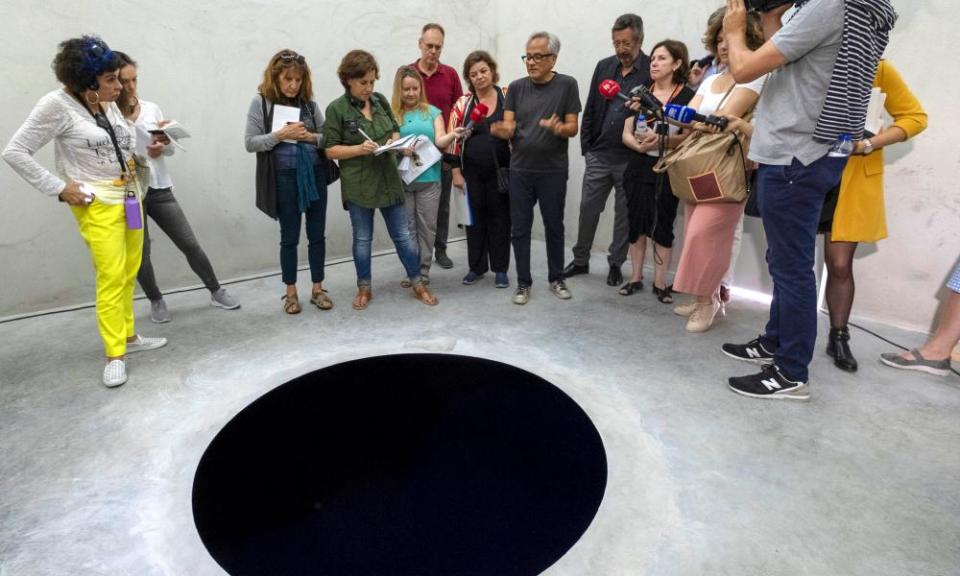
522	295
919	363
222	299
142	344
560	290
158	312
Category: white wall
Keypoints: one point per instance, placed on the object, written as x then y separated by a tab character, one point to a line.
202	62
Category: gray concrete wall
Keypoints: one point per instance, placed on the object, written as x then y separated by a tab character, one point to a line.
202	61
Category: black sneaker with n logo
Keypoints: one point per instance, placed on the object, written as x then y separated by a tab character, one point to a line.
770	384
752	351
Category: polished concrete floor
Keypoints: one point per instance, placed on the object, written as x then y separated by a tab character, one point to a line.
862	480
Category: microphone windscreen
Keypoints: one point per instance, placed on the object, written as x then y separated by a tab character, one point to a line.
609	89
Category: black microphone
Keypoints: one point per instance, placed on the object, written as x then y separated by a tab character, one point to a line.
648	101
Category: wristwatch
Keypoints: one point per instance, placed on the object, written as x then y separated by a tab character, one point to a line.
867	147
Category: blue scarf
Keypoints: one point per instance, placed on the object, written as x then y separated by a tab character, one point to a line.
306	179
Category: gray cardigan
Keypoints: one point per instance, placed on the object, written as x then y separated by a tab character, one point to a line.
258	137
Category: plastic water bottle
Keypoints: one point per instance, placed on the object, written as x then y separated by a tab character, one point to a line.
842	148
640	128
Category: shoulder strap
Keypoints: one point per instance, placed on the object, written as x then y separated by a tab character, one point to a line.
267	114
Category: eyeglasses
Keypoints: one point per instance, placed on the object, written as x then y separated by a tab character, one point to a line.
623	44
291	56
437	47
536	58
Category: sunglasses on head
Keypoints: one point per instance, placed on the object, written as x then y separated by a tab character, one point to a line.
291	56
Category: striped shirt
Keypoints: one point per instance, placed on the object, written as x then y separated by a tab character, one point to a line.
866	32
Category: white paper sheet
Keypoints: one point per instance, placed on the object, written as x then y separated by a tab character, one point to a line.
464	214
283	115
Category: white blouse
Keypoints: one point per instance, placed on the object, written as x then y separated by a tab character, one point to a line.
83	151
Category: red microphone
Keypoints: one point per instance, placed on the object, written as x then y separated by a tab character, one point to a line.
477	115
609	89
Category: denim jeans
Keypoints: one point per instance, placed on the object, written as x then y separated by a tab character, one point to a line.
395	217
790	199
550	190
163	208
288	212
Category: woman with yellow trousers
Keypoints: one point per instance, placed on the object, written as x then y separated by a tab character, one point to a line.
96	177
854	212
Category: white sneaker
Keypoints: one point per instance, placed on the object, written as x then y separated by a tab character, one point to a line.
560	290
114	373
703	316
685	309
141	344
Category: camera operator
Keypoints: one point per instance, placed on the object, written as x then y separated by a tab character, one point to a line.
825	56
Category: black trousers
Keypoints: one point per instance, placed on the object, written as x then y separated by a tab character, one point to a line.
488	240
526	190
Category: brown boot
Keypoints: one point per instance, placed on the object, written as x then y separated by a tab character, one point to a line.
422	293
363	298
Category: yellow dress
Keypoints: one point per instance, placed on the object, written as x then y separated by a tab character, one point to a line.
860	215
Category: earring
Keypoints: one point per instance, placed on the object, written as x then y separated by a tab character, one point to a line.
95	102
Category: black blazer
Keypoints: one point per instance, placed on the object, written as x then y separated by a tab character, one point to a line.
596	109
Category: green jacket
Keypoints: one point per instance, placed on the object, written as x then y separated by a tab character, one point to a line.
369	181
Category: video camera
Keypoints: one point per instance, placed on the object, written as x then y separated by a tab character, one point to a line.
767	5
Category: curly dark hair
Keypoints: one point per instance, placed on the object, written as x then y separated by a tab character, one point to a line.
357	64
80	60
476	57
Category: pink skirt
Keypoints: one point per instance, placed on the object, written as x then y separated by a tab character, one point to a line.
707	245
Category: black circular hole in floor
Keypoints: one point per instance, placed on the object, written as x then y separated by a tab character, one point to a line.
414	464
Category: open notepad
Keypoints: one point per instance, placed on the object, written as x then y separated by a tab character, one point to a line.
425	156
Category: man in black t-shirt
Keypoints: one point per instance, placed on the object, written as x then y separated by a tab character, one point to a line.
540	116
604	153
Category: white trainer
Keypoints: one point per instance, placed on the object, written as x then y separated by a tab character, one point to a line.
115	373
141	344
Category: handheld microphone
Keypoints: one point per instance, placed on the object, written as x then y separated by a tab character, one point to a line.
477	115
609	89
650	103
686	115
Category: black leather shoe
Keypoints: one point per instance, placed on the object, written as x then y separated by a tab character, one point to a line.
615	277
838	348
574	269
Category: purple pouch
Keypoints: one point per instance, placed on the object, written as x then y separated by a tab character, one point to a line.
132	208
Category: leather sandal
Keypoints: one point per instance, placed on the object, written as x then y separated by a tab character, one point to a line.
291	304
363	298
664	295
321	300
422	293
630	288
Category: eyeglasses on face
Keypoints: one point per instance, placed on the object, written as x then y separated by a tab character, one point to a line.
434	47
291	56
536	58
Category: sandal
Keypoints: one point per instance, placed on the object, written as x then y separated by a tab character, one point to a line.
664	295
630	288
291	304
422	293
363	298
321	300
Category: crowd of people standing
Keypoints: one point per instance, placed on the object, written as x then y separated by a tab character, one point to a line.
507	148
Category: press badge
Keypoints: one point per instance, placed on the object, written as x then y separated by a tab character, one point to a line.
352	126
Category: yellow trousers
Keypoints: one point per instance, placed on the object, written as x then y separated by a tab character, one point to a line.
116	252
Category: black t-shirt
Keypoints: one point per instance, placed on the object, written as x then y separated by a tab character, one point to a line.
480	147
535	148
